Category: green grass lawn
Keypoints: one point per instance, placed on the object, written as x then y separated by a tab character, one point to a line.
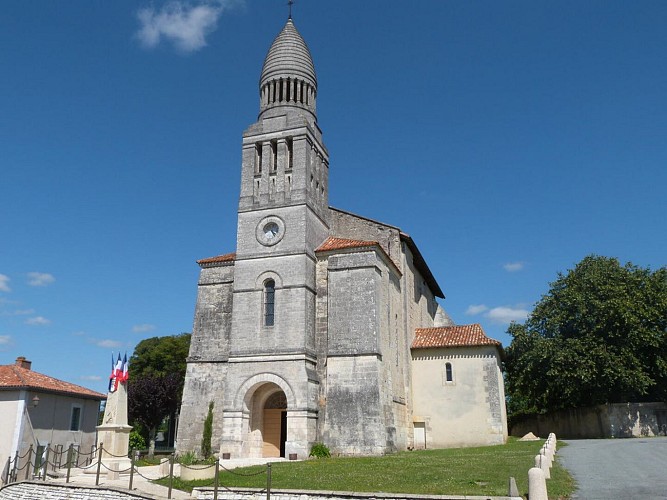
461	471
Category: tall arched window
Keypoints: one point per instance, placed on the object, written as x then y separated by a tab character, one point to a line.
269	302
449	375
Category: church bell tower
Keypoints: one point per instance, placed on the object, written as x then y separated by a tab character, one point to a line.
285	162
282	219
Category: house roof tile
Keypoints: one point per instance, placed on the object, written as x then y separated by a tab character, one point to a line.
452	336
218	259
332	243
14	377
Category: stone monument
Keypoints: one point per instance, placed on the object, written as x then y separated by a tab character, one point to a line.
114	433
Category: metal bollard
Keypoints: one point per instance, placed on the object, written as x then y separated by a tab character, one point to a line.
46	462
217	479
99	464
171	474
14	470
29	463
132	455
268	481
70	450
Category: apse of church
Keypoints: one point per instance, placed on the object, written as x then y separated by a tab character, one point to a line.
305	333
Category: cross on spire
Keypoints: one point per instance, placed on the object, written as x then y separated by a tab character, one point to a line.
290	2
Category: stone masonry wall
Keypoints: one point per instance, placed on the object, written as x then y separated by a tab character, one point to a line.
354	422
255	494
354	227
41	491
212	321
619	420
353	304
207	361
204	382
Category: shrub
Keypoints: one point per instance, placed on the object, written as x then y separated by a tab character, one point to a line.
320	450
137	441
208	433
191	458
188	458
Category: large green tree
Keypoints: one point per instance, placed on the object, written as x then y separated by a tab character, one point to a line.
598	336
160	356
157	374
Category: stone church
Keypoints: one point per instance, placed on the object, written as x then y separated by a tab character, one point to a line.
323	325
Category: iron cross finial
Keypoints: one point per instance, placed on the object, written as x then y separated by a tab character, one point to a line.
290	2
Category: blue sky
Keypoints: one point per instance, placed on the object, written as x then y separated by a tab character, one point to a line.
509	139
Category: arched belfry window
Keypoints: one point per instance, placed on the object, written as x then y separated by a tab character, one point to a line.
449	374
269	302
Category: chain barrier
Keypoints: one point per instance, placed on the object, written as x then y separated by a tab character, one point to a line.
53	458
231	471
136	471
108	453
50	459
183	466
120	471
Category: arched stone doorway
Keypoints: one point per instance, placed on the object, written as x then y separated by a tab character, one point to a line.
268	420
274	432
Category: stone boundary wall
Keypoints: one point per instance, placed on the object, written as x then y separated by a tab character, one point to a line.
258	494
38	490
618	420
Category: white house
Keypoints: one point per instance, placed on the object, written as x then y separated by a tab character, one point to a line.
39	410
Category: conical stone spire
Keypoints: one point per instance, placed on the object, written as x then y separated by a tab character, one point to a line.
288	75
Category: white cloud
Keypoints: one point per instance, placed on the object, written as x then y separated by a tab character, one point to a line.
38	320
17	312
184	24
143	328
106	343
5	340
475	309
512	267
4	280
93	378
23	312
40	279
506	315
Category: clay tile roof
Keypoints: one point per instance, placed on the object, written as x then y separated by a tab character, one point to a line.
332	243
452	336
228	257
14	377
342	243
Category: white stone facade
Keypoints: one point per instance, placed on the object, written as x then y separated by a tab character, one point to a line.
315	312
469	410
38	411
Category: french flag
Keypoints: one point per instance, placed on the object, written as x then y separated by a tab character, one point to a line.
112	377
125	374
117	372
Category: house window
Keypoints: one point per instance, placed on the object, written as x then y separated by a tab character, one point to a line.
75	420
449	374
269	302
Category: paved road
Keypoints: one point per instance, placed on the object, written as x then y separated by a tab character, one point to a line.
624	469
